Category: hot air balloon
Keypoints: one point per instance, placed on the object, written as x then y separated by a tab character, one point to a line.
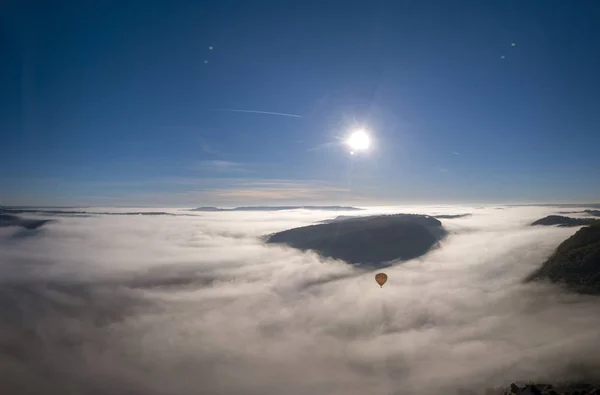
381	278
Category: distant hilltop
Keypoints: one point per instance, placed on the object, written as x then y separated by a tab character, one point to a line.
12	220
77	213
564	221
278	208
371	241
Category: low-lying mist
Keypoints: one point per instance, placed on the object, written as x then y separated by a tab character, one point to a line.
200	305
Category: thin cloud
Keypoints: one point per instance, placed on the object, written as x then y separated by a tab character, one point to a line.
223	166
195	191
269	191
330	144
279	193
259	112
209	149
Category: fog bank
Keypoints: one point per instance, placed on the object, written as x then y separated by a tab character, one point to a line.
199	304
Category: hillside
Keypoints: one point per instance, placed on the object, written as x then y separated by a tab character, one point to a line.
367	240
575	263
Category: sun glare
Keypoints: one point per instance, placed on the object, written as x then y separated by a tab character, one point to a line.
359	141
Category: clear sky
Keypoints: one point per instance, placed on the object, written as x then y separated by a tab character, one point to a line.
106	102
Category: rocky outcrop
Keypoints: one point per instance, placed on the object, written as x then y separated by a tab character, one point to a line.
563	221
552	389
372	240
529	388
575	263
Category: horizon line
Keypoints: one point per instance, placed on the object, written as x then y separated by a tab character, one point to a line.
298	205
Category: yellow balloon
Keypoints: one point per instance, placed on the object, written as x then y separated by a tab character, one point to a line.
381	278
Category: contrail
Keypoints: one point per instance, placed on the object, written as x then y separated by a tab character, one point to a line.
259	112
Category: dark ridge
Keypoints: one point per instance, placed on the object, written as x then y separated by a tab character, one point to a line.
593	213
346	217
575	263
563	221
339	218
63	212
451	216
39	211
29	224
569	388
139	213
209	209
40	207
278	208
582	205
371	241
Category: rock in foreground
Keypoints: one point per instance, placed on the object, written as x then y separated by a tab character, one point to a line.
550	389
564	221
367	240
575	263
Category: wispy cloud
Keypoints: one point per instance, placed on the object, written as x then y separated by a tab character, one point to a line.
222	166
193	191
327	145
283	114
267	191
209	149
276	190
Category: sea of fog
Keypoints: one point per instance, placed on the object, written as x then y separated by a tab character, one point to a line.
198	304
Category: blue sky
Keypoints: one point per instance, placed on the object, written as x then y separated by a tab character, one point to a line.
114	103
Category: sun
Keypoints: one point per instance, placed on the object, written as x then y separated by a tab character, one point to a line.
359	141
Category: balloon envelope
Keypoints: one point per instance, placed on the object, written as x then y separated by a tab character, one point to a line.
381	278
